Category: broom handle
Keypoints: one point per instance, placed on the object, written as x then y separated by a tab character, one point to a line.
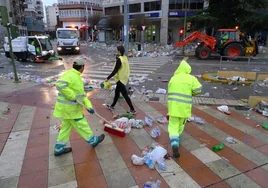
95	112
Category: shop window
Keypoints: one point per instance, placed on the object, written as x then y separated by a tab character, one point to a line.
175	4
152	6
112	10
134	8
196	4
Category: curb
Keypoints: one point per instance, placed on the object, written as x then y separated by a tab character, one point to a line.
206	78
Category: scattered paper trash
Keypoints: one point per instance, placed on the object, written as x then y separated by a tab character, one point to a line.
231	140
247	141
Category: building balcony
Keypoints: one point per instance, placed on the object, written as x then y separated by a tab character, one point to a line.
72	19
78	6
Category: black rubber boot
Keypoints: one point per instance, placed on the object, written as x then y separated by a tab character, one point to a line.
67	150
100	139
175	150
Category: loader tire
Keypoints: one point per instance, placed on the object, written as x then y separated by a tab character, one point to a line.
233	51
204	53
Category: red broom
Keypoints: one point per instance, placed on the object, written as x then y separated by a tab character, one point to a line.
107	127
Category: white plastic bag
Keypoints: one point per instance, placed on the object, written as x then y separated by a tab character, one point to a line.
136	160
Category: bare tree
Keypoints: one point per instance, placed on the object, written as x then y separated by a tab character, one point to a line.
115	22
94	19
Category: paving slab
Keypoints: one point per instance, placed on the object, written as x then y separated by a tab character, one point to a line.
205	155
62	175
182	179
72	184
242	181
25	119
109	158
120	179
223	169
9	182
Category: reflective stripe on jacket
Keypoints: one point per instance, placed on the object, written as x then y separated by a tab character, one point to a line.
181	88
71	89
123	73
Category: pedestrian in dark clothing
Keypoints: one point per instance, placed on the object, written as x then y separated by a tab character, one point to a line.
121	74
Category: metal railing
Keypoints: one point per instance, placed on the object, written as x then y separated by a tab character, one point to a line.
242	63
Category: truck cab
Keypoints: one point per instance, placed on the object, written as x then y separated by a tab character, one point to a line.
68	41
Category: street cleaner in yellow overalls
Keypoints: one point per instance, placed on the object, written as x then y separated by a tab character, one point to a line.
181	88
71	89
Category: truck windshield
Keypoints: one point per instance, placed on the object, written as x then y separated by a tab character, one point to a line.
46	44
65	34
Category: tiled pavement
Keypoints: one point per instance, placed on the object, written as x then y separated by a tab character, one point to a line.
27	139
104	94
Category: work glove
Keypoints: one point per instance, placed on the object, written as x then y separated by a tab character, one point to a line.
91	110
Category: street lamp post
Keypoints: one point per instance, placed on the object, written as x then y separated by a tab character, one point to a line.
185	19
126	26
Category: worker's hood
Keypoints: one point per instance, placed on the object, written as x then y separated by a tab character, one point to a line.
184	67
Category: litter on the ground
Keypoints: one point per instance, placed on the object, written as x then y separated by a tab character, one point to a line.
136	160
162	120
149	121
231	140
262	108
224	109
152	184
247	141
196	120
205	95
126	124
156	156
218	147
264	125
155	132
161	91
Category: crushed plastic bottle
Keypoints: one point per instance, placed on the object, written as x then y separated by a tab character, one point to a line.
155	132
162	166
150	160
218	147
149	121
152	184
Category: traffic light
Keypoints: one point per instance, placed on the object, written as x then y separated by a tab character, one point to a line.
189	26
3	16
236	27
181	31
83	25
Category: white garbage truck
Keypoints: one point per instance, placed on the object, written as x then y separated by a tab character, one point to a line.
68	41
31	48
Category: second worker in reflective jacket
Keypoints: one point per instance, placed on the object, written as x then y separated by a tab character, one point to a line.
181	88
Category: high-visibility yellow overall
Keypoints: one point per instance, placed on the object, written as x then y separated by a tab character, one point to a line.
71	89
181	88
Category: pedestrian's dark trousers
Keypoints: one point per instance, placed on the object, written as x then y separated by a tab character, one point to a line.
121	88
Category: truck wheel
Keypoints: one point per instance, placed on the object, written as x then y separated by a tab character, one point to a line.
204	53
31	58
233	51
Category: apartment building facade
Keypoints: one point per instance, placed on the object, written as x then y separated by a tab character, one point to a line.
34	15
52	12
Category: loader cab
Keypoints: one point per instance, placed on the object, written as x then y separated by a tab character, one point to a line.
224	36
